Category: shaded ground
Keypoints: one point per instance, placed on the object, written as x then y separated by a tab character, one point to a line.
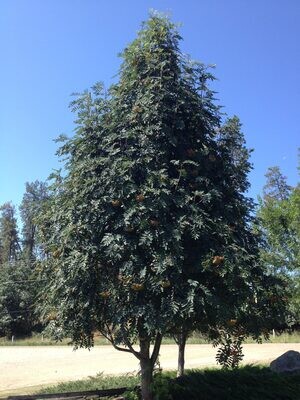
23	369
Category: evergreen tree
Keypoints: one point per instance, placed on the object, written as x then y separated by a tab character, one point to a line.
279	214
33	198
276	187
9	240
16	291
16	300
146	229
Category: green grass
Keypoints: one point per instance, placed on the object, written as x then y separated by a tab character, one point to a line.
283	338
94	383
245	383
38	340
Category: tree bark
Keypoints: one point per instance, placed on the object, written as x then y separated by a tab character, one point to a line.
146	365
146	379
181	341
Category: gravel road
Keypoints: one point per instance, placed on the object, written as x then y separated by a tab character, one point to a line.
23	369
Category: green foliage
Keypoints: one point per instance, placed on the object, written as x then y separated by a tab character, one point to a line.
33	198
152	193
15	296
9	239
242	298
148	228
97	382
113	250
161	385
19	259
229	354
276	186
279	213
16	300
132	395
247	383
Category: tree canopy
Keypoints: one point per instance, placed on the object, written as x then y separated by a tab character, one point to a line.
148	226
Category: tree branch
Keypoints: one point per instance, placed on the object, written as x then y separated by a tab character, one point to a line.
129	345
109	337
130	349
156	348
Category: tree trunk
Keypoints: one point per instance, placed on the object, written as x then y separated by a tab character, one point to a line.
181	341
146	379
146	370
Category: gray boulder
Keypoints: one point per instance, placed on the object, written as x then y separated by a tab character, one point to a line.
288	362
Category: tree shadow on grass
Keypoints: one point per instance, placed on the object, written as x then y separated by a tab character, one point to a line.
245	383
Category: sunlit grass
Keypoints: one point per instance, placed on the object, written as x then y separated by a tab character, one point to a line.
39	340
98	382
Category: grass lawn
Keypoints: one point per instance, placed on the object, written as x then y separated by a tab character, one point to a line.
98	382
245	383
38	340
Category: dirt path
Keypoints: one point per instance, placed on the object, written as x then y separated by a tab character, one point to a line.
24	368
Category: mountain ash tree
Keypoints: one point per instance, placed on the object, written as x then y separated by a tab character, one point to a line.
146	228
237	301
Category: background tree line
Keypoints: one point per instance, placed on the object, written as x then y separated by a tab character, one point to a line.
20	256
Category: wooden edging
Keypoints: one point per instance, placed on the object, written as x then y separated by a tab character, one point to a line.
71	395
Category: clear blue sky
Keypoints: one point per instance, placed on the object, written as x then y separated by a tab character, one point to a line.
52	48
